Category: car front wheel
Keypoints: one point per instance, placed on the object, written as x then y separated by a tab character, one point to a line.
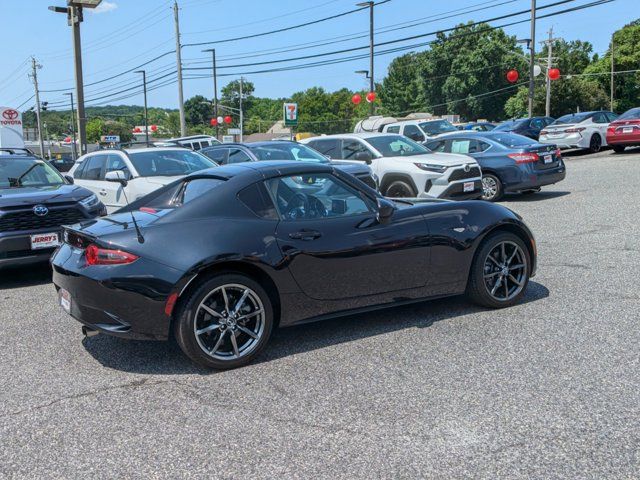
400	189
500	271
225	322
491	188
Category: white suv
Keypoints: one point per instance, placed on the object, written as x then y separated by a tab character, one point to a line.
145	169
404	167
420	130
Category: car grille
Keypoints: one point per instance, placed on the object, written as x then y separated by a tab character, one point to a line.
27	220
460	174
368	180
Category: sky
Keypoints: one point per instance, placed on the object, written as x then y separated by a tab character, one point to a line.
123	34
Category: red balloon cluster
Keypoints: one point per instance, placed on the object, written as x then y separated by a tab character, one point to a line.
356	99
137	130
214	122
227	119
554	73
512	76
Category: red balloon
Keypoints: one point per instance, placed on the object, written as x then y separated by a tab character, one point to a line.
227	119
154	128
67	140
356	99
214	122
554	73
371	97
137	130
512	76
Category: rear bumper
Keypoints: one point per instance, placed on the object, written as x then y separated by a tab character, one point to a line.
125	301
570	141
625	140
15	249
538	178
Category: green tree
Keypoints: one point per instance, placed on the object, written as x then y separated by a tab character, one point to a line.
198	111
172	123
400	89
97	127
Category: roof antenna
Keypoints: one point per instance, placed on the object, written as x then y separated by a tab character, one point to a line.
118	176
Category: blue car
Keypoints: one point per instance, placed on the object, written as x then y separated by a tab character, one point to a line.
509	162
35	202
478	126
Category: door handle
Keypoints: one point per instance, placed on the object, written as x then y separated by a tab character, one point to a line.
103	192
305	235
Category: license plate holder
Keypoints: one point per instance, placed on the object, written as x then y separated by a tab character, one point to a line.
44	240
548	159
65	300
468	187
627	130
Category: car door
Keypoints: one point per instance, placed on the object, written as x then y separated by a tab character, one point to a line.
336	248
600	125
111	193
355	150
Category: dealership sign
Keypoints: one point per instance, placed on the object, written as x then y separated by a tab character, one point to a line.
11	128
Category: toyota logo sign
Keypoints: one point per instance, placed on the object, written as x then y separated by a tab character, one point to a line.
10	114
467	167
40	210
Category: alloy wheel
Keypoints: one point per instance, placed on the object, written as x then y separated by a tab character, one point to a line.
229	322
595	144
505	271
489	187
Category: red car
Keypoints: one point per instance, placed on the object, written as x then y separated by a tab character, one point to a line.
625	130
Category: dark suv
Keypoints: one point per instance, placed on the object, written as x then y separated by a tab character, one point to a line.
35	201
529	127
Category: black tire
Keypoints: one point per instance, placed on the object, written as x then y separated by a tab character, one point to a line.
189	314
478	288
618	148
400	189
492	189
595	144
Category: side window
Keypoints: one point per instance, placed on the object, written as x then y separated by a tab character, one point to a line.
256	198
393	129
94	168
195	188
413	132
436	146
310	197
463	145
328	147
611	116
79	172
116	162
537	123
483	146
218	155
600	118
351	149
238	156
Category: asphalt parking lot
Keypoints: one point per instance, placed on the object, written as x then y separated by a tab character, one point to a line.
547	389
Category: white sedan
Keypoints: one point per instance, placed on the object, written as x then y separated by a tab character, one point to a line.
145	170
586	130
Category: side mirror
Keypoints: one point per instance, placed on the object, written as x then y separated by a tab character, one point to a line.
117	176
363	157
385	211
69	179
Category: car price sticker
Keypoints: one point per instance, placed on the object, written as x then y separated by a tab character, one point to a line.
65	300
468	187
548	159
44	240
627	130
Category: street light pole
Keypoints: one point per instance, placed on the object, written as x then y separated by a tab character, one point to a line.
241	113
612	72
215	87
372	87
74	153
146	114
34	75
532	48
183	122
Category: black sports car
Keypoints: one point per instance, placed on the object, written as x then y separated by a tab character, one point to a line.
224	255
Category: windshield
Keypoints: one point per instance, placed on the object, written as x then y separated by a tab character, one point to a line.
396	146
510	125
287	151
169	163
27	172
632	114
437	127
573	118
510	139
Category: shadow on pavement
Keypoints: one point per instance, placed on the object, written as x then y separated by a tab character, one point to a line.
533	197
25	276
166	358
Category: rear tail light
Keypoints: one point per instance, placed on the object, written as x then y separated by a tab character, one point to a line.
543	132
524	157
575	130
611	130
558	153
103	256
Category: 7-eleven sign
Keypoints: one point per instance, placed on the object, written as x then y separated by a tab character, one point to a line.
291	114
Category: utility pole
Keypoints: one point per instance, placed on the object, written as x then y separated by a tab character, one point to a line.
183	122
34	75
146	113
74	153
372	84
549	44
532	48
75	17
241	114
215	88
612	71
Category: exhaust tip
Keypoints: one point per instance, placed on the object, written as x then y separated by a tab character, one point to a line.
89	332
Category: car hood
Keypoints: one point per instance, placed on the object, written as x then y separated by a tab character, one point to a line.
445	159
355	168
46	195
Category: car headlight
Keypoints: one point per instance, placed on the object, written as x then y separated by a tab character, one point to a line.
431	168
90	202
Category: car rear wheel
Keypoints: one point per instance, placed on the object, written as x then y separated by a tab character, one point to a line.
400	189
595	144
226	322
500	271
618	148
491	188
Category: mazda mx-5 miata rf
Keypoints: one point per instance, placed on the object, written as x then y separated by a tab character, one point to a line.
221	257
